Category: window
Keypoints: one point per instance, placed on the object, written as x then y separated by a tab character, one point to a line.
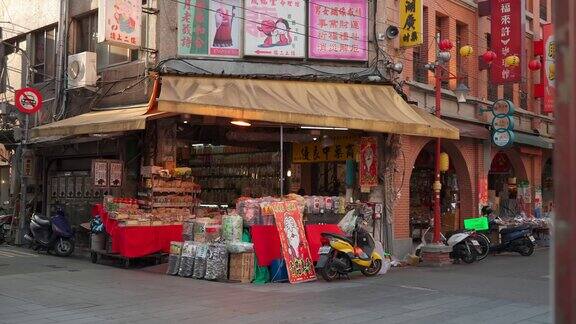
440	22
544	9
530	5
44	55
529	24
107	55
509	91
492	88
461	40
420	55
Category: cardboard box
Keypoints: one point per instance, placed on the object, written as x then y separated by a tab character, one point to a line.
241	267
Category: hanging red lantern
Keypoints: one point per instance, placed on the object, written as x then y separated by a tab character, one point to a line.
445	45
489	56
534	65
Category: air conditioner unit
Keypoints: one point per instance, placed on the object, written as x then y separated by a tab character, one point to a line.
82	70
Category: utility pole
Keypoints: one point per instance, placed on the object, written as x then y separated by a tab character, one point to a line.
564	257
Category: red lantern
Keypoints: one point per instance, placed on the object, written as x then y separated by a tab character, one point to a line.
445	45
534	65
489	56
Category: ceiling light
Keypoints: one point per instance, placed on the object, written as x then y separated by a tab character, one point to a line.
240	123
185	122
324	128
289	173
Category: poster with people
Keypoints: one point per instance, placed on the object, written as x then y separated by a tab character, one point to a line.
120	22
295	248
338	30
210	28
275	28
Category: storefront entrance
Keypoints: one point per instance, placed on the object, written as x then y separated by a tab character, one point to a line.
504	182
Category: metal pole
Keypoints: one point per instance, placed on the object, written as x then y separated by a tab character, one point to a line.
23	185
437	186
563	256
281	160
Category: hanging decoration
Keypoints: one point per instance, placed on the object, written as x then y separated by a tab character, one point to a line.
534	65
512	61
489	56
444	162
466	51
445	45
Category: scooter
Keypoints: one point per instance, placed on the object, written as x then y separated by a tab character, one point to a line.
53	234
341	255
5	227
464	246
515	239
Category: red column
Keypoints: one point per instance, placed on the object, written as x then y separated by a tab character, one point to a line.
437	185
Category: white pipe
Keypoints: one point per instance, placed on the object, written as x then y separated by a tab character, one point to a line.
281	160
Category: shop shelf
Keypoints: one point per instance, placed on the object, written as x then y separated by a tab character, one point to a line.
171	205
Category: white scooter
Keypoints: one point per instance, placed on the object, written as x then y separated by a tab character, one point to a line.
464	247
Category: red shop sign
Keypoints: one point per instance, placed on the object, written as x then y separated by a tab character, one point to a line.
368	162
548	69
507	28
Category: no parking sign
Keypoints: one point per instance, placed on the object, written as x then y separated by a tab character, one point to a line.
28	100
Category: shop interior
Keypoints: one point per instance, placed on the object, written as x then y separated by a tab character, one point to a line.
502	187
421	195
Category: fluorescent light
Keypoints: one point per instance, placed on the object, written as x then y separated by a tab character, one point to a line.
240	123
324	128
289	173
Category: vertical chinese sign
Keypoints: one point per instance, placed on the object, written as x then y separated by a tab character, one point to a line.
549	69
295	248
338	30
507	28
120	22
275	28
368	162
411	23
210	28
482	193
343	148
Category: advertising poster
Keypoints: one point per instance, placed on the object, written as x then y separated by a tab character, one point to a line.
507	30
100	173
115	174
120	22
210	28
411	23
338	30
482	193
275	28
295	248
368	162
549	69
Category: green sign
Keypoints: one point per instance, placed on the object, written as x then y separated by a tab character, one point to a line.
478	224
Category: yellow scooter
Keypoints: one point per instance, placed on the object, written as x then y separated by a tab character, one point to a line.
341	255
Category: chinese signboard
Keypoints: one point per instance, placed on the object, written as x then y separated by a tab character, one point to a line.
210	28
507	30
343	149
120	22
368	162
295	247
338	30
411	23
275	28
503	123
549	69
482	193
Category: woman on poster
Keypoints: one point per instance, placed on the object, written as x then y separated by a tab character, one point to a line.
224	20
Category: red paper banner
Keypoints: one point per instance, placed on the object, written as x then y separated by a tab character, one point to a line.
548	69
507	28
482	193
295	247
368	162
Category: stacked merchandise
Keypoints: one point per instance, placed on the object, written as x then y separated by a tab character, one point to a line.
164	192
128	212
174	258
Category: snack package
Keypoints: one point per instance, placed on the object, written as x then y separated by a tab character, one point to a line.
187	259
174	258
232	228
200	261
217	262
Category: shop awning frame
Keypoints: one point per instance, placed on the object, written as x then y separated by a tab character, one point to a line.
120	119
373	108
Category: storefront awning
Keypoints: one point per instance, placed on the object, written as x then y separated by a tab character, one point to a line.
97	122
534	140
375	108
471	129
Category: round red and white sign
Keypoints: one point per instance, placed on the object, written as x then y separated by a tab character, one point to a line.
28	100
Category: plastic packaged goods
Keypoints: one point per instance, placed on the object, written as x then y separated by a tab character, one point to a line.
232	228
200	261
187	259
212	233
200	229
239	247
174	258
188	230
217	262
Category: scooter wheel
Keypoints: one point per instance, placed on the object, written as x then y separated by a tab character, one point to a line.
328	273
64	247
468	258
526	249
373	269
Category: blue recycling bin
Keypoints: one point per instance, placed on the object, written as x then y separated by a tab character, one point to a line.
278	271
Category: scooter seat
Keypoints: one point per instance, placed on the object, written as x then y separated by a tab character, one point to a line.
343	238
41	221
514	229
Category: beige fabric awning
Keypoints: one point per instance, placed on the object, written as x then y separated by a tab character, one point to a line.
374	108
106	121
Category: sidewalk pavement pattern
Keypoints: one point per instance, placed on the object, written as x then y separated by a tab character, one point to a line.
48	289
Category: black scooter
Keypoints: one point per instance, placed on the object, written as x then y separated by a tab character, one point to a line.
53	234
515	239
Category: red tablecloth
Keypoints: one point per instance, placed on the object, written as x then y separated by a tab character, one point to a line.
267	241
139	241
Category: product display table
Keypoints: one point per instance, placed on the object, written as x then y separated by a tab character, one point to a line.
267	241
138	241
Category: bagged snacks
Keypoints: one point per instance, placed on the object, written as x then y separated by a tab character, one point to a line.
232	228
188	230
187	259
200	261
217	262
174	258
239	247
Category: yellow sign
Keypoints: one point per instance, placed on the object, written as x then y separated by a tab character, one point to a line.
411	23
339	149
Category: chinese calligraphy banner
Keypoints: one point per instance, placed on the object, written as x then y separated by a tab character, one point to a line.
295	248
549	69
120	22
343	149
507	28
210	28
368	162
338	30
411	23
275	28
